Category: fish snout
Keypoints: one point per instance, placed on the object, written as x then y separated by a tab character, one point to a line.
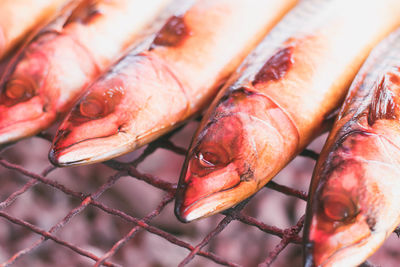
308	254
53	158
72	148
179	208
203	196
23	120
204	193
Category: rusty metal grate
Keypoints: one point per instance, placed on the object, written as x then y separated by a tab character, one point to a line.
130	169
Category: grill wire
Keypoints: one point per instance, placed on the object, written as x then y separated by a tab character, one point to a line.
85	201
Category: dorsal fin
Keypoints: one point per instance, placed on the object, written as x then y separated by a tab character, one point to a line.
383	105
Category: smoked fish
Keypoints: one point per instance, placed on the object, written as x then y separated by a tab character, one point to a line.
277	101
46	77
153	90
19	17
354	201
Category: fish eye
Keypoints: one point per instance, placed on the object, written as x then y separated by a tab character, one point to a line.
212	156
92	107
19	89
96	105
338	207
208	159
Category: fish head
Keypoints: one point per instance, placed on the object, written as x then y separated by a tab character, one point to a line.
41	82
235	153
215	175
93	130
23	107
351	212
125	108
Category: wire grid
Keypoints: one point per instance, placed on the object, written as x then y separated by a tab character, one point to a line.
123	169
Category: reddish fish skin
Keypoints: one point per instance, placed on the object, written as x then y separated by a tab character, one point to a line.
45	78
277	101
19	17
353	202
166	83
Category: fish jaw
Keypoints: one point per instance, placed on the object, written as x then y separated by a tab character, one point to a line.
92	150
348	246
24	120
206	195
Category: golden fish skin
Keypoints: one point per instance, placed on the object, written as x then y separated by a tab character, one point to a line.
151	92
354	195
45	78
19	17
277	101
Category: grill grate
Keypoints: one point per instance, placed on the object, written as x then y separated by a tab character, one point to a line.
130	169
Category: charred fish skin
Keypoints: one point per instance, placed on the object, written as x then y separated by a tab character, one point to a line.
45	77
167	82
354	194
276	102
17	18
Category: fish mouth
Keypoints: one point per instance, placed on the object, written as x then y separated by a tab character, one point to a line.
351	255
92	150
214	202
20	129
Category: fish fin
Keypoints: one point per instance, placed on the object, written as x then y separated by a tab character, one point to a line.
382	105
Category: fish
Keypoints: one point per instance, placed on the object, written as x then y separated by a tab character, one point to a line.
277	102
18	18
154	89
354	194
45	78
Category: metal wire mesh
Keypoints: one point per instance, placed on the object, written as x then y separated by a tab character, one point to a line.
88	201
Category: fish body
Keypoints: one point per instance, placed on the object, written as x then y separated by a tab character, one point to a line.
46	77
19	17
354	194
150	92
277	101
